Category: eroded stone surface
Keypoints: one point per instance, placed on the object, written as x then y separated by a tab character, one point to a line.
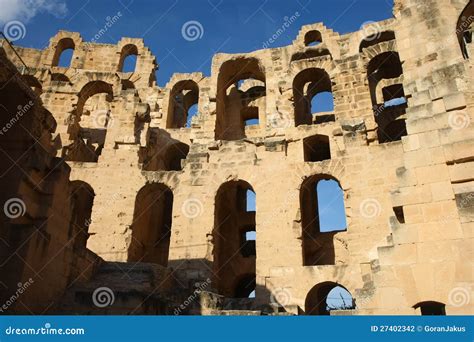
174	196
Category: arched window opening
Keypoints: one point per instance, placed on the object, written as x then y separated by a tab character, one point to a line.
326	297
464	30
313	38
431	308
234	239
390	109
151	228
246	287
384	36
89	123
81	201
316	148
241	97
174	156
323	216
312	84
184	97
64	53
128	58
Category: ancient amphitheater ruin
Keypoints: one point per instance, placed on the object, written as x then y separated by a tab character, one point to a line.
108	186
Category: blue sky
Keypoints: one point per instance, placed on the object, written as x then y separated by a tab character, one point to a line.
228	26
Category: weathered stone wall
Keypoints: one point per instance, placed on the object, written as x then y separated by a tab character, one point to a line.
37	255
408	201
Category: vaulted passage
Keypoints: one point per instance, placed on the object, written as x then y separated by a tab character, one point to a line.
312	84
162	154
234	239
245	287
174	156
430	308
241	97
322	217
389	103
89	123
151	227
183	96
328	296
81	199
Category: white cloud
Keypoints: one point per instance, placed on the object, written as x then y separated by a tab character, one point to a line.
25	10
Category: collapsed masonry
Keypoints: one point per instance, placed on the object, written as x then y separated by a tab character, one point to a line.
121	189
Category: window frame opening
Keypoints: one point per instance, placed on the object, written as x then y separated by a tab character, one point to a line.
128	51
81	203
316	302
235	101
317	245
152	224
88	142
63	45
183	96
313	38
231	223
306	85
316	148
387	67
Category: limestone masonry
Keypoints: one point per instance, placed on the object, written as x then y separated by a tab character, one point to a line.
125	205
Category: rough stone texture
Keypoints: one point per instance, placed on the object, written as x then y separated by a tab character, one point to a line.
171	195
